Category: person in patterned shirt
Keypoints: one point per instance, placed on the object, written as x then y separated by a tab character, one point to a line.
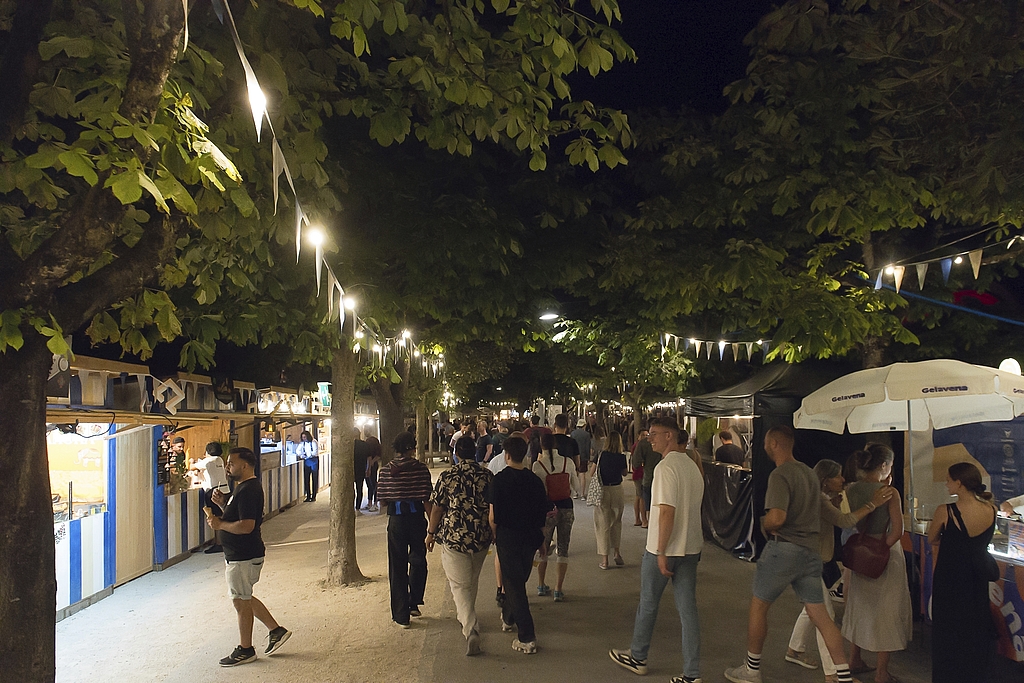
458	521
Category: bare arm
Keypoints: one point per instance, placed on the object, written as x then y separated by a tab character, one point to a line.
490	519
432	523
844	521
935	527
773	521
241	527
666	520
895	520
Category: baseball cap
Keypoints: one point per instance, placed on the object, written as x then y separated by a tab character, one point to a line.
581	422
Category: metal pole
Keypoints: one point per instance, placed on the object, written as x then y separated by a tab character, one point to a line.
910	465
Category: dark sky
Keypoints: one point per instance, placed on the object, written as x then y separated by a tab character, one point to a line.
687	51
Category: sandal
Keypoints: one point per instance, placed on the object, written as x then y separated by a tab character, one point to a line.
619	561
602	565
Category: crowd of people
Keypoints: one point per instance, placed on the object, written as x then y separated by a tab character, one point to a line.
516	493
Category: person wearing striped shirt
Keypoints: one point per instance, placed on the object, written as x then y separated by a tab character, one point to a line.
404	487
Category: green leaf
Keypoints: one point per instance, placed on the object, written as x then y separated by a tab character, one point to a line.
10	330
147	184
242	200
125	186
77	163
46	157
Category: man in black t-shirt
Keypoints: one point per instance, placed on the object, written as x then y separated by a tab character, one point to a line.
566	445
360	454
728	451
518	509
244	552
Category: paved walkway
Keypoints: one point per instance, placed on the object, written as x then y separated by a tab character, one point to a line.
174	625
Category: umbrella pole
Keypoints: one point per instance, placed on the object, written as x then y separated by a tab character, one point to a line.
910	465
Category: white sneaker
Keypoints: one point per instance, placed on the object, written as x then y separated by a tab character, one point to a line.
526	648
741	674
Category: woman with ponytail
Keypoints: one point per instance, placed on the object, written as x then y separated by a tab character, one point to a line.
878	614
559	476
963	634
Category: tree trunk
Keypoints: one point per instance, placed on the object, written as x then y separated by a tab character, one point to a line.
28	584
422	430
342	567
390	400
874	348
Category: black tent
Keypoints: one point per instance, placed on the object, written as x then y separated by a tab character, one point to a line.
732	495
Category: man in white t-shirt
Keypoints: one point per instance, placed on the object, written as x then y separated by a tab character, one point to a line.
674	543
210	471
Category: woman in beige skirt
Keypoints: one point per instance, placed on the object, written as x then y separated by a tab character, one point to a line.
611	466
878	613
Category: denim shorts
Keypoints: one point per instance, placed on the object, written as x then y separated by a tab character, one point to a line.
242	576
787	564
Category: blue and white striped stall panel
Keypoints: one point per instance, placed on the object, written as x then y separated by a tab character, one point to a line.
184	520
281	486
80	558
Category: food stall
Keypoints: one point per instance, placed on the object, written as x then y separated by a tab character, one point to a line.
123	502
997	449
733	494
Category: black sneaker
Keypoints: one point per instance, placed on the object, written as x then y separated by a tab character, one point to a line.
414	612
241	655
625	659
278	637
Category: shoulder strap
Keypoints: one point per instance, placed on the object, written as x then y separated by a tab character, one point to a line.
540	462
565	462
956	513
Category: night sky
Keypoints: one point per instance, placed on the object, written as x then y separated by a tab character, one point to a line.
687	51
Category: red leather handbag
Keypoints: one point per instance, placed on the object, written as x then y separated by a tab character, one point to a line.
866	555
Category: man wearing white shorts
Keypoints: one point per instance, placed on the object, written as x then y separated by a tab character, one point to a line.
244	552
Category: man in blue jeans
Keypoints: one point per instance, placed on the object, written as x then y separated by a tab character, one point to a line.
674	542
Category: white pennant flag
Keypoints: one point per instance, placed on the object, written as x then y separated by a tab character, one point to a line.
319	266
299	218
711	346
735	352
975	257
696	345
721	350
331	283
676	341
922	271
897	276
750	350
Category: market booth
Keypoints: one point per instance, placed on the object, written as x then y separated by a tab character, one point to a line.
948	412
734	494
123	501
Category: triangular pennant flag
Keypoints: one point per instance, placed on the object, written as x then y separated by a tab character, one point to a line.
721	350
299	218
331	282
696	345
947	265
878	280
764	347
184	44
686	345
279	166
922	271
218	10
257	100
676	341
750	350
897	276
735	351
975	257
711	346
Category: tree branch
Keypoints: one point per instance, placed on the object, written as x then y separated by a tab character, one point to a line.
20	62
77	303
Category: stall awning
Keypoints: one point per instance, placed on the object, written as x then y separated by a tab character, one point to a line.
777	383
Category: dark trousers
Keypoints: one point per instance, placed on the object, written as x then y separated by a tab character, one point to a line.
312	479
407	563
371	486
359	489
516	561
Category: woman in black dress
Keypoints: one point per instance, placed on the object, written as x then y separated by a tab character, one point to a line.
963	631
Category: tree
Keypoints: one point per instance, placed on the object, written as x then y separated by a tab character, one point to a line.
115	191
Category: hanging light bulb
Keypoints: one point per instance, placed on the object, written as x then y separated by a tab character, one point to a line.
889	270
350	303
958	260
315	237
258	103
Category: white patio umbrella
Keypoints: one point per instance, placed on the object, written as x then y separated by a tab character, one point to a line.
910	397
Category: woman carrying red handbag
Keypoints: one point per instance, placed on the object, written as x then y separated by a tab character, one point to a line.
878	614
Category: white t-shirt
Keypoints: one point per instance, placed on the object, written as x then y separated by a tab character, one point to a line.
211	470
498	463
677	482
